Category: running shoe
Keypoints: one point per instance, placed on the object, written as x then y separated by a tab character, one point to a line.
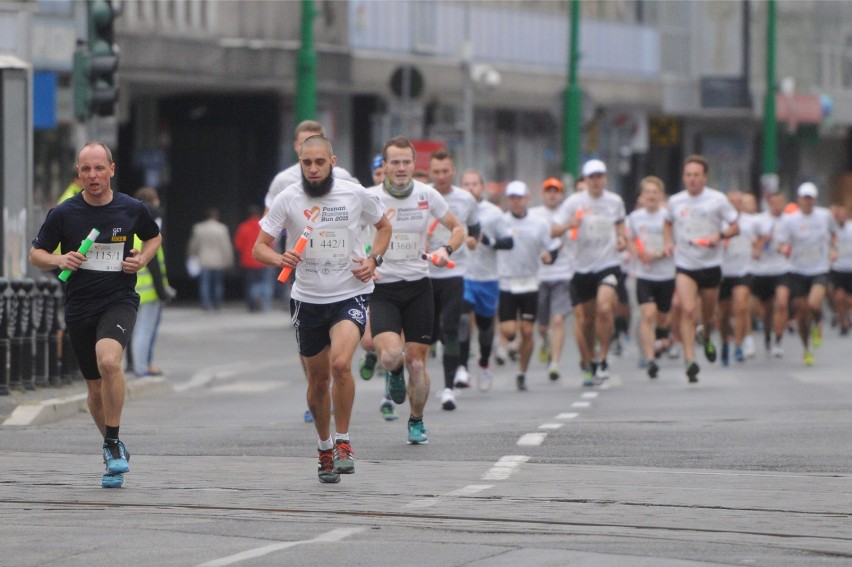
816	336
725	354
309	417
388	411
642	364
692	372
395	385
844	331
500	356
749	349
417	433
739	356
588	379
544	353
674	350
513	354
602	371
462	379
710	350
659	348
112	480
777	351
484	379
553	371
343	457
368	366
521	382
325	470
116	457
448	399
808	358
617	348
653	369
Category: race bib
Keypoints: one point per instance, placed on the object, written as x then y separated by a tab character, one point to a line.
328	244
104	257
698	228
404	246
653	243
808	254
597	227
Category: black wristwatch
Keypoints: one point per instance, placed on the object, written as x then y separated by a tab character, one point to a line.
377	258
449	249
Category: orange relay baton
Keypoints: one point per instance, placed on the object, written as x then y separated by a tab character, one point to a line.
576	230
434	258
300	247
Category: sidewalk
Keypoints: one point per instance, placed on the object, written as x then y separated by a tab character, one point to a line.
45	405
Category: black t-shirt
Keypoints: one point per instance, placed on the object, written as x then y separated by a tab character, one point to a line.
103	283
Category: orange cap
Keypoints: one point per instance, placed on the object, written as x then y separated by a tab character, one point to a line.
553	182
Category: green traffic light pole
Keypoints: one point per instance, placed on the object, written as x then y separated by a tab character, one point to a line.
770	126
306	76
571	114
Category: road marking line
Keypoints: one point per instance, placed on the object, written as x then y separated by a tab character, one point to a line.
247	387
333	535
589	395
550	425
567	415
531	439
505	467
581	404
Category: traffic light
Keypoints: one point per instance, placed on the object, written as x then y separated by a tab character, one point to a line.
103	58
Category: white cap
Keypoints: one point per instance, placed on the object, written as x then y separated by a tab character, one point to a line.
807	189
593	166
517	189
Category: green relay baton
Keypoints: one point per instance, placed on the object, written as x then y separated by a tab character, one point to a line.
84	247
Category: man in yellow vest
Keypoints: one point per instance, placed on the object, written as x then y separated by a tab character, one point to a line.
153	288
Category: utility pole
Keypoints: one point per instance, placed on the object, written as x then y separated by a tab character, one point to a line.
770	126
571	114
306	67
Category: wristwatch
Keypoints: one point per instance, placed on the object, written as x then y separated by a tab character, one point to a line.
449	249
377	258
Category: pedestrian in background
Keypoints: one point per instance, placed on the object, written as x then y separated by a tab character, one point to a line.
257	276
101	302
211	244
154	291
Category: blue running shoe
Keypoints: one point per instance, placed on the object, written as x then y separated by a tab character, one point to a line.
395	383
112	480
725	354
309	418
417	433
116	458
738	354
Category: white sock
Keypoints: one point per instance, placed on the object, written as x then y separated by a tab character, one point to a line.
341	436
326	445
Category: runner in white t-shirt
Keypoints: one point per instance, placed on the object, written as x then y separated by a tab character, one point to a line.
735	290
807	237
448	283
655	272
694	231
328	303
841	269
518	269
594	219
401	309
554	292
481	285
768	271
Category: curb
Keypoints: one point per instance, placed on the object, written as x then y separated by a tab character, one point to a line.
55	409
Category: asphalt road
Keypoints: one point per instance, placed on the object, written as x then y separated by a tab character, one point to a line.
751	466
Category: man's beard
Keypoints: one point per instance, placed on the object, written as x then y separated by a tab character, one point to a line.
318	189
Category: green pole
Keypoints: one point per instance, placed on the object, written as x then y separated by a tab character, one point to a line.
306	67
571	114
770	126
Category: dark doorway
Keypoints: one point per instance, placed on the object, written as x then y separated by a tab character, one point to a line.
223	154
